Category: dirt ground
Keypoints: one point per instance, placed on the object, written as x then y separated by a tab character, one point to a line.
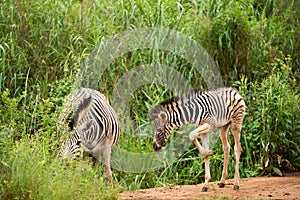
287	187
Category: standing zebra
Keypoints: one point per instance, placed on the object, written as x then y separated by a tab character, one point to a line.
96	125
209	110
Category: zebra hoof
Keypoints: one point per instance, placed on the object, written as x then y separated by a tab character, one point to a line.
204	189
236	187
221	185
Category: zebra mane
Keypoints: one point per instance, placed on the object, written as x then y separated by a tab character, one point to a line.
162	105
169	101
191	94
82	107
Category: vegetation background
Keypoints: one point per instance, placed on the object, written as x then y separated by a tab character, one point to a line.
43	44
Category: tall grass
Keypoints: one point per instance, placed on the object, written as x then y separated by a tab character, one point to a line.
44	43
241	36
30	172
272	122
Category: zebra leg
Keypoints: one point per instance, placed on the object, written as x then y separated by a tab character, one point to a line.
93	160
106	152
236	130
102	154
205	143
226	150
203	130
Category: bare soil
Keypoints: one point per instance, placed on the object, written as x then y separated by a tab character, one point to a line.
287	187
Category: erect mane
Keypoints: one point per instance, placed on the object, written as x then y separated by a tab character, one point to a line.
191	94
81	111
161	106
187	95
169	101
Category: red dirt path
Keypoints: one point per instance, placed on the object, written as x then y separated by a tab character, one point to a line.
287	187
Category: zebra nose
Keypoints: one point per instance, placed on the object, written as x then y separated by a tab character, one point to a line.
156	146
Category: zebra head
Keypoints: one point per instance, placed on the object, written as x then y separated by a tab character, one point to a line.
161	130
71	149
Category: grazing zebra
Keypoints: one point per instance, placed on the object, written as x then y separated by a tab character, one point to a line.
209	110
97	128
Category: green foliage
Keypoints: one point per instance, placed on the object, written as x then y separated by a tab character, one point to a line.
243	36
272	123
30	168
29	171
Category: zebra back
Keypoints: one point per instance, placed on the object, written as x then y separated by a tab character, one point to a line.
94	121
216	107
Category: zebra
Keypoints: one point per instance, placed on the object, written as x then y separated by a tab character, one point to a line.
97	129
221	109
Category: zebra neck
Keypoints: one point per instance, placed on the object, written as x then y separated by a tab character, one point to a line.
186	113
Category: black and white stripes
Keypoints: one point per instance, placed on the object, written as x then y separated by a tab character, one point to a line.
208	110
97	127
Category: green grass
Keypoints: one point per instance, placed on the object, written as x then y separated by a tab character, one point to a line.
30	172
43	45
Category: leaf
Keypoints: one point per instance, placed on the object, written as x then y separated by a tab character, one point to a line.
277	171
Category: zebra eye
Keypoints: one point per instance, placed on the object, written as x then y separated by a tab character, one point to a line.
78	143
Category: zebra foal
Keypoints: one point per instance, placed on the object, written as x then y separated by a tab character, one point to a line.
217	109
97	128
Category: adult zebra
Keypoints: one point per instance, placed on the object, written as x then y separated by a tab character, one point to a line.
209	110
97	128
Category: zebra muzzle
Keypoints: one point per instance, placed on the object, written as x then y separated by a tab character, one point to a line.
156	146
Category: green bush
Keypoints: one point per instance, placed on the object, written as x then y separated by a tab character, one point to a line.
29	146
272	122
30	171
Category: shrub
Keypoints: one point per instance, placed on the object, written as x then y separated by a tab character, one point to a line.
30	171
272	122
